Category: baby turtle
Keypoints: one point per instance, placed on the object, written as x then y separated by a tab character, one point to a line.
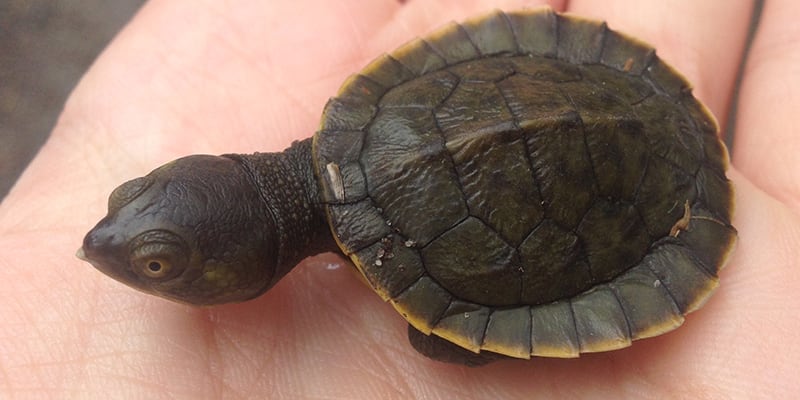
522	184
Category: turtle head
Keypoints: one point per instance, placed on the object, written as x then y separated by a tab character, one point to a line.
195	230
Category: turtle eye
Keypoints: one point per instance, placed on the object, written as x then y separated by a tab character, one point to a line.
157	261
158	256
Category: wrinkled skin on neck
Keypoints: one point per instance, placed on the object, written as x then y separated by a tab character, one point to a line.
210	229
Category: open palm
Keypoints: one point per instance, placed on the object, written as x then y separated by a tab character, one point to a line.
202	77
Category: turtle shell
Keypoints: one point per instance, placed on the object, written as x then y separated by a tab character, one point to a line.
528	183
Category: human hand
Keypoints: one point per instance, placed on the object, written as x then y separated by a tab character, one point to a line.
188	77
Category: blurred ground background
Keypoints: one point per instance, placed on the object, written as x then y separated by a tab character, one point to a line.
45	47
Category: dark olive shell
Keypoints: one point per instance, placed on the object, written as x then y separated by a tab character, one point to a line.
528	183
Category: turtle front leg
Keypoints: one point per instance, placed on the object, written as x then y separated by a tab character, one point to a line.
439	349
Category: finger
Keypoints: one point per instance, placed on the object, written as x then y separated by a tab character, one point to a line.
763	279
768	133
265	60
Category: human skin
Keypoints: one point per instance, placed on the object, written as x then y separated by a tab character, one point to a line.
206	77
